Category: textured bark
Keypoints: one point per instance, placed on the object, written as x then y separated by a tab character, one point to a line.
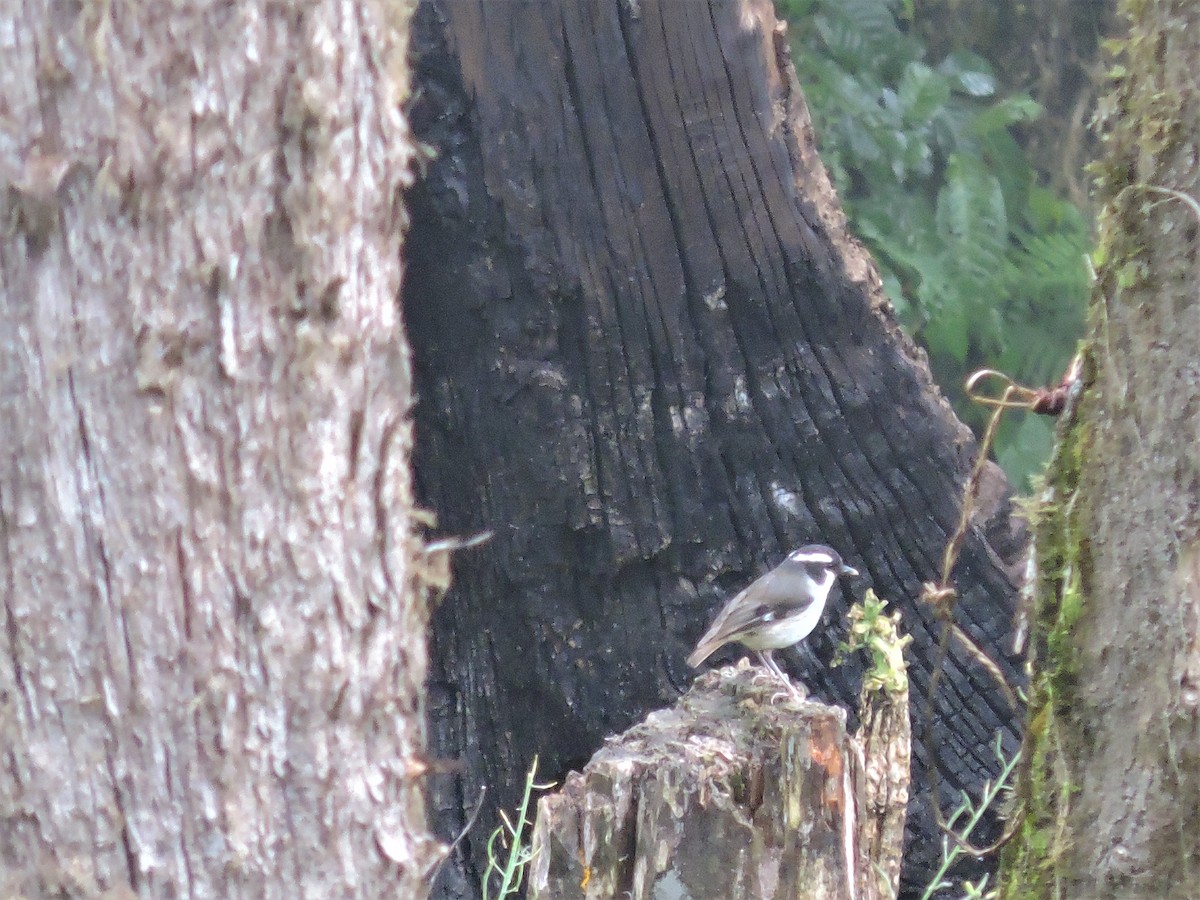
732	794
212	635
1112	785
650	359
737	793
883	757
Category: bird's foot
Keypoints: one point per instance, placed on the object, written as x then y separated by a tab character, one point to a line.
794	690
791	691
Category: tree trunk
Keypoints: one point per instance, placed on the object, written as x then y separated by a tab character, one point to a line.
1111	786
212	617
651	361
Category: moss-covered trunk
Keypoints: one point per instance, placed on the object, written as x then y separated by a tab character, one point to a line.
1112	779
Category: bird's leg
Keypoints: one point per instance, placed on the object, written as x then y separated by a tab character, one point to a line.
768	659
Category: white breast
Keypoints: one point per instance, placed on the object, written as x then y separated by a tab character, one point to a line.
790	631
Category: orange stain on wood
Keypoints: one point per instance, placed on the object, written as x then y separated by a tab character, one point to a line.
826	753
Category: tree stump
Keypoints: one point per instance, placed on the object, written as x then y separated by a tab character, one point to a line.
737	791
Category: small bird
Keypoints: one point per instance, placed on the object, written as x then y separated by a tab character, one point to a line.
779	609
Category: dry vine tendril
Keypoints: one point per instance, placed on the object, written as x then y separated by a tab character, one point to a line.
942	596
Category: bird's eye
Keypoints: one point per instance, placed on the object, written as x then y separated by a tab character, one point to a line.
816	570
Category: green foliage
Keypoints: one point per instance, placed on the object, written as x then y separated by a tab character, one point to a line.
873	630
985	268
509	871
962	823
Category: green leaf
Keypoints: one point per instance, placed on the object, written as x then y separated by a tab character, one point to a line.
845	42
970	211
1006	112
922	91
948	330
1023	452
970	73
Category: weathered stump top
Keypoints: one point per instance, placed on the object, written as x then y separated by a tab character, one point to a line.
737	791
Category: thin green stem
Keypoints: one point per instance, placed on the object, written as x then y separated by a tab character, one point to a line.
951	852
519	854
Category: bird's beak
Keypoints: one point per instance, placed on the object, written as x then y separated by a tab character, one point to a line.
848	570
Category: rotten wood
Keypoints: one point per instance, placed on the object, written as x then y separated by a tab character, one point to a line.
738	792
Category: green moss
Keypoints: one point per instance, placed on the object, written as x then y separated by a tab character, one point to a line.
1145	136
1030	861
874	630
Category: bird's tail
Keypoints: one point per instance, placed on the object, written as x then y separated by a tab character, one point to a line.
703	651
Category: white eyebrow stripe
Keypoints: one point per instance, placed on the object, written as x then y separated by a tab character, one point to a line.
815	556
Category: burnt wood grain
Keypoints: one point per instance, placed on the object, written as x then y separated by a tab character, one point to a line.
652	361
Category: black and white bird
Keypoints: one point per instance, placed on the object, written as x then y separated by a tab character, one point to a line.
779	609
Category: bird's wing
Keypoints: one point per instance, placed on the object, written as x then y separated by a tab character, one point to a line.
773	598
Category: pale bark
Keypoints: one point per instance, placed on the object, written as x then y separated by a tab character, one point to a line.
738	792
883	758
212	641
